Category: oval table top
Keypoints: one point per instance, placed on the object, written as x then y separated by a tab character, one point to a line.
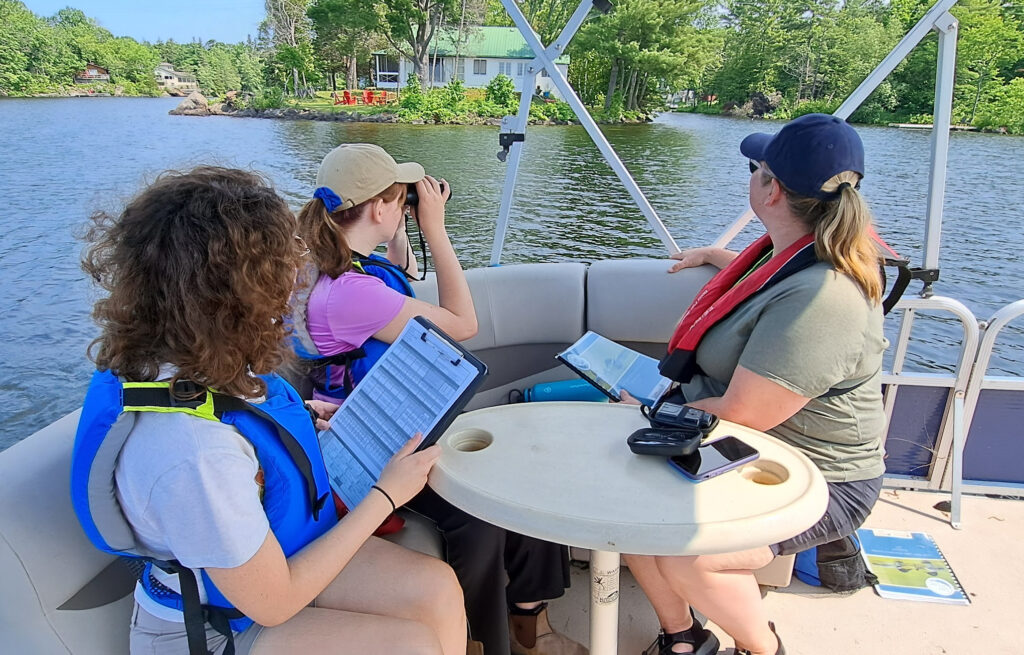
562	471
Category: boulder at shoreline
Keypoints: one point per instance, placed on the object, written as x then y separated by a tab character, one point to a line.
195	104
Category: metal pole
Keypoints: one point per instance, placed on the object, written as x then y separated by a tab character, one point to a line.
893	59
725	238
947	26
938	18
959	440
515	153
545	58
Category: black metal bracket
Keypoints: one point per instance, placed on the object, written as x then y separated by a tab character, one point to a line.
505	140
928	276
603	6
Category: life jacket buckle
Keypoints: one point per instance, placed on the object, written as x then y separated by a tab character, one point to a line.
187	394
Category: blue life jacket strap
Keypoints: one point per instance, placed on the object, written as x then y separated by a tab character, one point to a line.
339	359
195	614
165	397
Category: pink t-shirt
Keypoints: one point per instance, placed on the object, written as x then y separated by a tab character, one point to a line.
345	311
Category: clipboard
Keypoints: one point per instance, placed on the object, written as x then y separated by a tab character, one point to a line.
420	384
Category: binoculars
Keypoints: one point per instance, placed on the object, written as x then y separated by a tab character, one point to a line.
412	198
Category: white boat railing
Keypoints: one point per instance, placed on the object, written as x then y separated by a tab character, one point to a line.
948	439
1000	426
993	424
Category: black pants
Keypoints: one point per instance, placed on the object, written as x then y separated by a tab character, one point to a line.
849	504
481	555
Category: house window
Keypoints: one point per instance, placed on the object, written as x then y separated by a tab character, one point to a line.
479	66
438	74
387	69
460	69
544	73
520	69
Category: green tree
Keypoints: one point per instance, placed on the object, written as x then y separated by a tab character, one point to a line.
501	90
287	28
342	38
989	41
18	30
249	63
648	43
758	39
408	26
217	73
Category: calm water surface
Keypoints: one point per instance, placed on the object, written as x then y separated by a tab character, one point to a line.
62	159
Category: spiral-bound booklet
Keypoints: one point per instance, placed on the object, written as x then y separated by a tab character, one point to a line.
910	566
612	368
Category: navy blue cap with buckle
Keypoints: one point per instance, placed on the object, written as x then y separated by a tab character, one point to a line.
807	152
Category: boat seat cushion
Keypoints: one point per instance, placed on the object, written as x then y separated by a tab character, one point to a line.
526	314
637	301
45	557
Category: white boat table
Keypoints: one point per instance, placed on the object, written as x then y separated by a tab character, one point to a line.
562	472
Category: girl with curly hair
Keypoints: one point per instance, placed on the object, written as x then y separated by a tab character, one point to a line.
198	270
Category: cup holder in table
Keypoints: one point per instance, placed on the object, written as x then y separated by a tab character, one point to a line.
765	471
470	440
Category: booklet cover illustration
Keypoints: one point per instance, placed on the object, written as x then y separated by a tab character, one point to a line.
910	566
612	368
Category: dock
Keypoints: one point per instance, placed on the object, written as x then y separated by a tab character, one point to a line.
928	126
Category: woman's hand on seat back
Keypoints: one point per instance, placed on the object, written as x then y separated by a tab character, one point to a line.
693	257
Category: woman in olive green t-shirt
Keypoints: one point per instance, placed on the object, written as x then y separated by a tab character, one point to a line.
784	361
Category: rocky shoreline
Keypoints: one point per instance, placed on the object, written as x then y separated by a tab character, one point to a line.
197	105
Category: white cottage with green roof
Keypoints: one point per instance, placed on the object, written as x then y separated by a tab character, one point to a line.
485	52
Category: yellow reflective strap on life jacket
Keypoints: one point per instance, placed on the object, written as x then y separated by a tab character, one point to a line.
205	410
359	265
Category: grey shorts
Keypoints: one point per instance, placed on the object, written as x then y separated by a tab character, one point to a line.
152	636
849	504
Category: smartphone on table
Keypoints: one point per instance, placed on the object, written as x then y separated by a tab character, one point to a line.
714	458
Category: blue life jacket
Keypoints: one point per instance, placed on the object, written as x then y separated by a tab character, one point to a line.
296	485
355	362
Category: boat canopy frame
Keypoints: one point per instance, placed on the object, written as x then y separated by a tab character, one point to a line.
513	128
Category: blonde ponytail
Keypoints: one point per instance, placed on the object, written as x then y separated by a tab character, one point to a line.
841	231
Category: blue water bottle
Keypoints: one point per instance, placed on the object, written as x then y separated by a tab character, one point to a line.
564	390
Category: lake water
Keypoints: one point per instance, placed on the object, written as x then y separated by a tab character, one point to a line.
62	159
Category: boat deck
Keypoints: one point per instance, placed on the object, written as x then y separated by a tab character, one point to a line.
985	555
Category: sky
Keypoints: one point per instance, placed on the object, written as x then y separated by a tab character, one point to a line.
229	21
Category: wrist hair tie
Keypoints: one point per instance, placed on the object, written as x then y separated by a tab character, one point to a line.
330	199
393	508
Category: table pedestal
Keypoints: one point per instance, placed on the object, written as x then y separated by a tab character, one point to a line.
604	602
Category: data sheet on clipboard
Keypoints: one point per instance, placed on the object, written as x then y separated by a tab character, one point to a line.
410	388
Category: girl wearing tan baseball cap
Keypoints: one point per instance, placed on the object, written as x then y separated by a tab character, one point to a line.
358	304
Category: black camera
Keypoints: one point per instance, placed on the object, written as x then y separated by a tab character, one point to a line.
412	198
682	417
